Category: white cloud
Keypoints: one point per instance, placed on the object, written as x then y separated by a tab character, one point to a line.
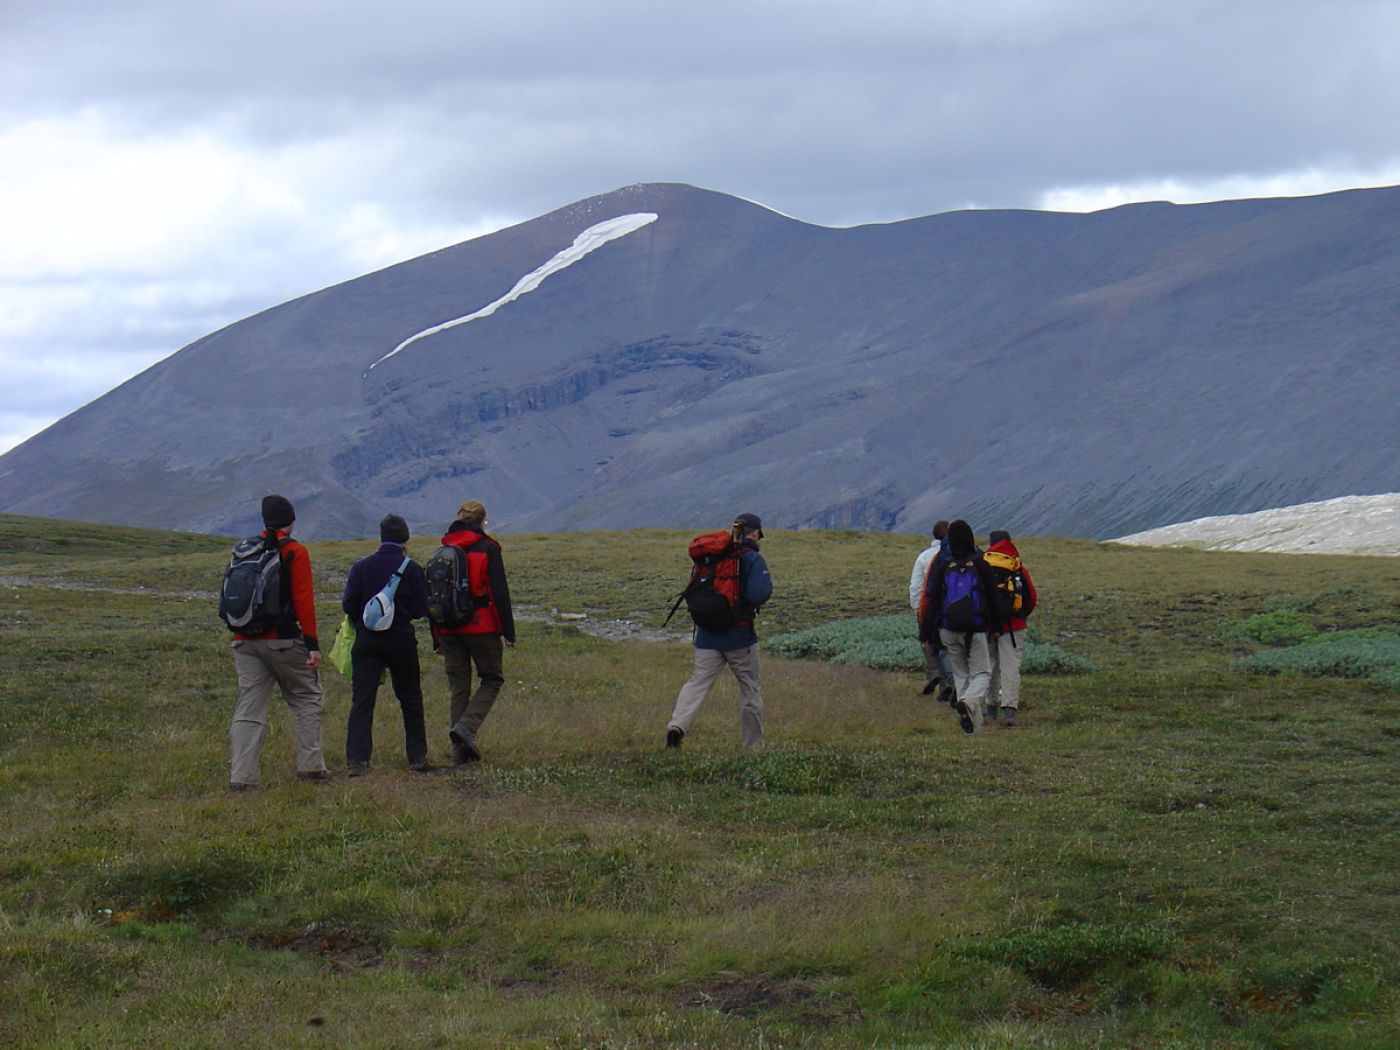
1303	183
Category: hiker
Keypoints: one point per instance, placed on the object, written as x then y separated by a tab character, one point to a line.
1015	598
736	645
959	617
937	673
470	563
274	641
393	645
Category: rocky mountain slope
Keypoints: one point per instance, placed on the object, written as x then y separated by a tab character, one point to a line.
664	355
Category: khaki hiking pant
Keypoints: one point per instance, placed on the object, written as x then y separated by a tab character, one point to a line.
1005	690
459	653
972	670
260	666
708	664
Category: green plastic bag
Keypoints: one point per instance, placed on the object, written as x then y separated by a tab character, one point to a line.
340	648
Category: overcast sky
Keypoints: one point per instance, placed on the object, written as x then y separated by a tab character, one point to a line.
168	167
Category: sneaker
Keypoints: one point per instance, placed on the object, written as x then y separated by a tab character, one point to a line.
965	719
357	769
316	776
1009	722
674	736
464	747
235	787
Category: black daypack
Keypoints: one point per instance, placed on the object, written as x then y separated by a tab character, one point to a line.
251	599
450	599
1008	585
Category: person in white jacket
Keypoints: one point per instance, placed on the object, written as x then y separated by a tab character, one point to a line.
936	669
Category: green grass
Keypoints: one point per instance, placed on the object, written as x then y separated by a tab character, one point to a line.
1170	854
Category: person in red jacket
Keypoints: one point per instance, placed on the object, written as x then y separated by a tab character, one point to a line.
1004	696
480	642
288	655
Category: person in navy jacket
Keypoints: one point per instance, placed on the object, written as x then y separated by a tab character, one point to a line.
737	647
395	648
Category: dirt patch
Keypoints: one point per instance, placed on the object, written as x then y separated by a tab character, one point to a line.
747	994
341	949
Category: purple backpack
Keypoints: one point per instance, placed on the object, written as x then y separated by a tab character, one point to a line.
962	599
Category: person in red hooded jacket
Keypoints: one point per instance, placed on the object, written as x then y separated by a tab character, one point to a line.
482	641
1004	696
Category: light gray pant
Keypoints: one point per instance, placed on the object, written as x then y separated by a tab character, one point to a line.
260	665
708	664
1006	672
972	670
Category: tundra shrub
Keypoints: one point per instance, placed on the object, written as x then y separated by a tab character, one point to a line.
1060	956
1370	653
1279	627
890	643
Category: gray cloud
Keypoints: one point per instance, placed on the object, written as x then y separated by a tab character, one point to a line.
303	146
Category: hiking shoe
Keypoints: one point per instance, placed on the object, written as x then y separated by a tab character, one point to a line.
464	747
357	769
421	767
315	776
1009	722
235	787
674	736
965	719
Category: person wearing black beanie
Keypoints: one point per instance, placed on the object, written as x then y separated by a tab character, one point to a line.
274	643
393	647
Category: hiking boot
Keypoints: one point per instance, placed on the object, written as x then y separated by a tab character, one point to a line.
674	736
236	787
464	747
421	766
357	769
930	686
993	713
1009	722
965	718
949	696
315	776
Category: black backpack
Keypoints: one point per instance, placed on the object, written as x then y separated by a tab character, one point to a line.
450	599
250	599
712	595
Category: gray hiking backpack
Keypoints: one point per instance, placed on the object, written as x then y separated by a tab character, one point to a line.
250	600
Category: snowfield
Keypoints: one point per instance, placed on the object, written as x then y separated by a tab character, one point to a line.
1346	525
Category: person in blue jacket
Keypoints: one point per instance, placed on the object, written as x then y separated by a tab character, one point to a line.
395	648
736	647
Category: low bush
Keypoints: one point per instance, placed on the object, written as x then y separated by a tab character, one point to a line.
1279	627
1061	956
1372	653
889	643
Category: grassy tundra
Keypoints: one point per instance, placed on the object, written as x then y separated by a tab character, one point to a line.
1171	853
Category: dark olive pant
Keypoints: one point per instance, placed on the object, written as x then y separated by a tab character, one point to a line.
374	652
459	653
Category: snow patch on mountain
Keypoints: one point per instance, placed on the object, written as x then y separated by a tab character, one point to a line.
1346	525
589	240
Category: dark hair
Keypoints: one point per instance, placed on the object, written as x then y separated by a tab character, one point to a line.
393	529
998	535
960	538
940	528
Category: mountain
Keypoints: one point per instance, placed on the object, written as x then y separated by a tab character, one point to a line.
1346	525
665	355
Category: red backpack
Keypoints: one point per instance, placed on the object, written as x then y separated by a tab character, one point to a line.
712	595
